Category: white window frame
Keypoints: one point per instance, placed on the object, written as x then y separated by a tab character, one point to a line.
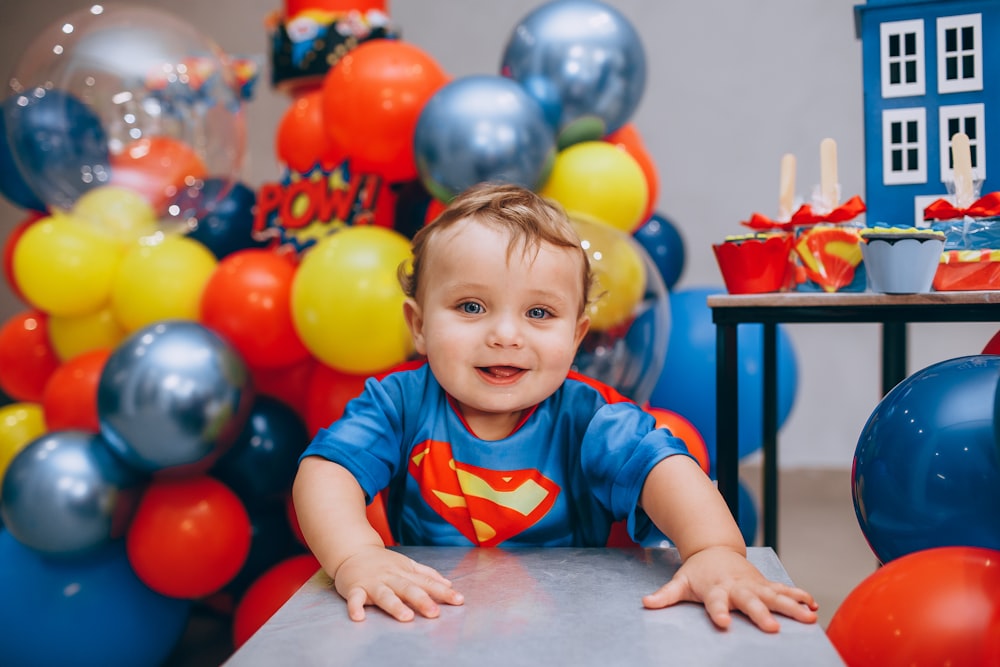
920	202
905	177
960	85
963	112
900	29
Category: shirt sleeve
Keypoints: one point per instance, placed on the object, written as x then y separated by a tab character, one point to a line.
366	440
620	447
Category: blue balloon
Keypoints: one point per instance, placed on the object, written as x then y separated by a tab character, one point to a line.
272	542
663	241
173	396
58	143
224	212
581	59
66	493
260	466
91	611
482	128
687	383
748	515
926	470
12	183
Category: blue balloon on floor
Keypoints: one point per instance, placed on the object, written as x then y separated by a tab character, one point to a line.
687	383
926	470
662	240
58	144
88	611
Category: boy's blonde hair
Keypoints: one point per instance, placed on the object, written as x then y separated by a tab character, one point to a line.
528	218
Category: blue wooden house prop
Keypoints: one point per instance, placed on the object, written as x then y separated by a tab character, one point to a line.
931	69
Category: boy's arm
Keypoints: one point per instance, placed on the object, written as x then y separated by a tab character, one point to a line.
330	507
684	504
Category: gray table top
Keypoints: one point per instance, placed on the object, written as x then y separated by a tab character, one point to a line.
534	606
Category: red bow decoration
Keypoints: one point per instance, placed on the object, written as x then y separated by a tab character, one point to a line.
805	216
984	207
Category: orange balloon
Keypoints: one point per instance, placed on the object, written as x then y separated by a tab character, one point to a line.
268	592
289	384
372	99
27	359
302	142
329	391
247	301
70	397
158	168
627	138
686	431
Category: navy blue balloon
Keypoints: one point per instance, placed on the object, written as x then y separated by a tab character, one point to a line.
926	470
482	128
272	541
12	183
663	241
686	384
581	59
58	143
91	611
260	466
225	213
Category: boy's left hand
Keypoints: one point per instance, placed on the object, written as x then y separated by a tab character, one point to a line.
724	580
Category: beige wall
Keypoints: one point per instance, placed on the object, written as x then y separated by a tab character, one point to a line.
731	87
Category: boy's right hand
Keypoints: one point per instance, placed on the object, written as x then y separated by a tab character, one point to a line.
393	582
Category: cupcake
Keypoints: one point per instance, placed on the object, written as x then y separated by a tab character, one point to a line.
754	263
901	260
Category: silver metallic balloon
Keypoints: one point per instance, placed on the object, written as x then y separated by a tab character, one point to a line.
482	128
586	55
173	395
66	493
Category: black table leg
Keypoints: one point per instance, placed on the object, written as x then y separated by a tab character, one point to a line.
770	435
893	355
726	416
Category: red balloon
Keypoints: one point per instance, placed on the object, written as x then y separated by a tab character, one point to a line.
27	359
189	537
435	208
293	7
247	301
158	168
938	606
70	397
627	138
372	99
268	592
302	141
329	391
993	345
8	251
289	384
686	431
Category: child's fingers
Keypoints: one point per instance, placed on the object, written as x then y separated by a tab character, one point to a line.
356	599
670	593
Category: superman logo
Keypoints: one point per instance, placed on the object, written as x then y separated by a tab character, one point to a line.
486	506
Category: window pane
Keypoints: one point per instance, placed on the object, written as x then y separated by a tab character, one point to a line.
951	68
911	43
969	67
893	46
968	38
972	154
894	76
951	40
897	161
896	133
954	127
951	159
911	71
970	127
912	164
911	132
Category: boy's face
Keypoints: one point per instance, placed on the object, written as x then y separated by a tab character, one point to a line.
499	337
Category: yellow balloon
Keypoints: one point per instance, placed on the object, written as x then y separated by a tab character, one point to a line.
72	336
64	266
347	304
596	180
119	212
619	274
161	278
20	423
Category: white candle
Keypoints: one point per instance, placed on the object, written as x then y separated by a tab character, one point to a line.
786	187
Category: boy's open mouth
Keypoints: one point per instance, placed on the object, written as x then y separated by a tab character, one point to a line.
500	372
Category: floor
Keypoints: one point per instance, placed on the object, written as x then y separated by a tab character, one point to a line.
819	543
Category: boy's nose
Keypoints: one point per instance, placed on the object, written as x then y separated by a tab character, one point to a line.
505	332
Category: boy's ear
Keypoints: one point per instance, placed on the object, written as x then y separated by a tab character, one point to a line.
582	327
415	323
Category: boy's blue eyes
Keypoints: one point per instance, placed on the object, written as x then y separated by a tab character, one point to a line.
537	313
473	308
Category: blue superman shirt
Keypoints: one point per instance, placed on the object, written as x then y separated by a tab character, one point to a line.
572	468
